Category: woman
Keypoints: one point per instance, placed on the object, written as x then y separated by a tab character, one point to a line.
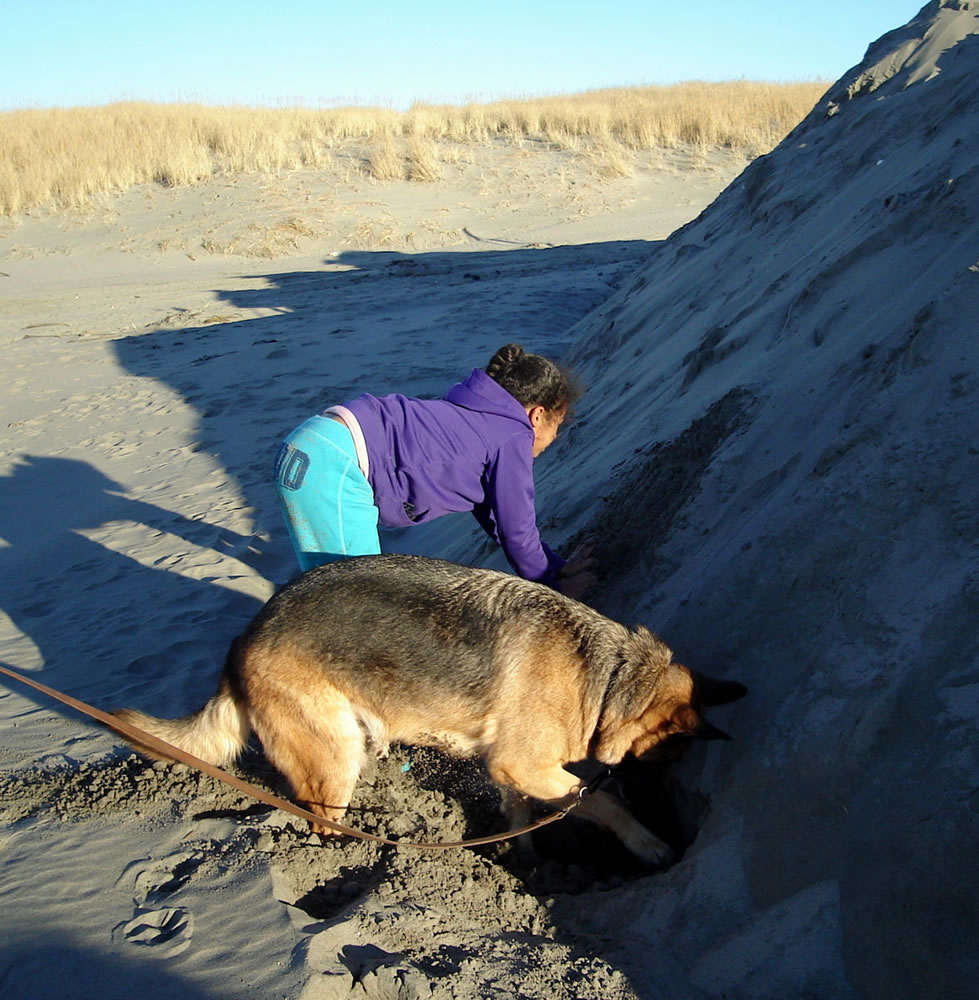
396	461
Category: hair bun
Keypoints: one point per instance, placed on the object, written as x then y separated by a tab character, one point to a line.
504	359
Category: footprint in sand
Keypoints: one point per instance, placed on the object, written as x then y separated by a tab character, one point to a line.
168	931
153	879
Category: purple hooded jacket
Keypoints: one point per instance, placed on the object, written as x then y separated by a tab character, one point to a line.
471	450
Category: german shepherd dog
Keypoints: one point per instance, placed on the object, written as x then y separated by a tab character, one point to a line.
362	652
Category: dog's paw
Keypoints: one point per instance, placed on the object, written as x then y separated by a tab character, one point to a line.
649	848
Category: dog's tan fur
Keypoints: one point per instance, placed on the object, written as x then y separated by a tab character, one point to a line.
382	649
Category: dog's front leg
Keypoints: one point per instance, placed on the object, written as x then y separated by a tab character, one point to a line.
553	785
516	784
608	811
556	786
518	810
516	807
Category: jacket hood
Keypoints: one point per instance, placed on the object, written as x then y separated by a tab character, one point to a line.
484	395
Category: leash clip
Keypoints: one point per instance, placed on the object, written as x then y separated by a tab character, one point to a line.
586	790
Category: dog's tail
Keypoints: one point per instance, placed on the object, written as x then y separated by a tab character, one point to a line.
217	733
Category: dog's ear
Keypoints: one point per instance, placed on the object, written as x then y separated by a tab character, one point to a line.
714	691
708	731
688	720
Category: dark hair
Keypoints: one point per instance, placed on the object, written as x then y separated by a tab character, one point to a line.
533	380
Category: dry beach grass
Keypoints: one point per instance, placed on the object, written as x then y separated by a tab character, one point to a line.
61	157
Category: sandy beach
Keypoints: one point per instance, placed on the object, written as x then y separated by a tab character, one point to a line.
776	456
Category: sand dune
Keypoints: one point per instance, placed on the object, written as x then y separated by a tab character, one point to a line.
776	455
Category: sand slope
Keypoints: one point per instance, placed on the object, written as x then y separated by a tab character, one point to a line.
776	456
803	367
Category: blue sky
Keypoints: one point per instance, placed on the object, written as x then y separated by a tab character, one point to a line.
391	52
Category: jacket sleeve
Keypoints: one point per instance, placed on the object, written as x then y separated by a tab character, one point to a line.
510	516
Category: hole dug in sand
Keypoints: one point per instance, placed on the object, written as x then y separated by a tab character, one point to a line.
572	855
420	794
576	855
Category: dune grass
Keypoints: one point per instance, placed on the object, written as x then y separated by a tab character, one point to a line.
62	157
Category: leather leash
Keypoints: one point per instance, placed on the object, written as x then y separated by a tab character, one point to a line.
256	792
